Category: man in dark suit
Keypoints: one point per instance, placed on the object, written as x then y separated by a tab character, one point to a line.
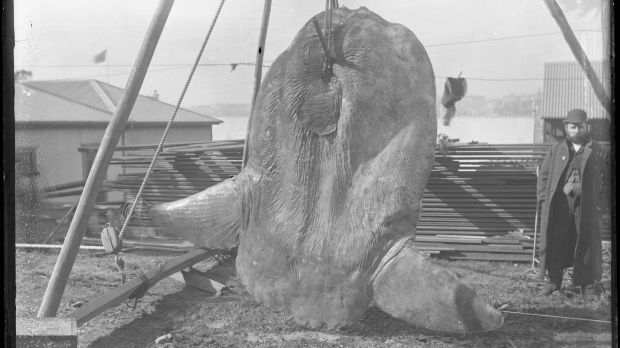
569	185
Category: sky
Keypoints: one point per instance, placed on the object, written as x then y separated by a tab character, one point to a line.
58	40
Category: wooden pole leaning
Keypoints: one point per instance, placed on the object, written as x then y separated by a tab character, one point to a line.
580	55
258	73
66	258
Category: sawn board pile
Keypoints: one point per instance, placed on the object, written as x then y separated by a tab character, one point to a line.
480	202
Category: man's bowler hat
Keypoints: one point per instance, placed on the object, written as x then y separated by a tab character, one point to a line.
576	116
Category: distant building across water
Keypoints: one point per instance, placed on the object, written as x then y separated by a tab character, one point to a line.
490	128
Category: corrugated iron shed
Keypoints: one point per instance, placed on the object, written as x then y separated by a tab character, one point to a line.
32	101
566	87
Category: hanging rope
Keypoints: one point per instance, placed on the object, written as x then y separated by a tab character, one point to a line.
326	38
174	114
328	24
328	61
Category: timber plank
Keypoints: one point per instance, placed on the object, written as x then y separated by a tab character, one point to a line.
490	256
117	296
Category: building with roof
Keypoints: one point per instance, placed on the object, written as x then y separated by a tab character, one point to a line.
566	87
54	118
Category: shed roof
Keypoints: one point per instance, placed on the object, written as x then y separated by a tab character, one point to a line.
33	104
566	87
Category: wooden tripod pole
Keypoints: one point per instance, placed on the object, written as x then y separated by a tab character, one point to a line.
579	54
258	72
66	258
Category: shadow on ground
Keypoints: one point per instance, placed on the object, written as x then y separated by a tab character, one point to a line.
168	313
194	318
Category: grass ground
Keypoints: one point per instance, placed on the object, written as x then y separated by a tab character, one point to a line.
233	319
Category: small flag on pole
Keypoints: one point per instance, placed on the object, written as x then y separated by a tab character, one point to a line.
100	57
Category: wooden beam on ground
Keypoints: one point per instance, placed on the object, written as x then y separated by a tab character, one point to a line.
117	296
579	54
66	258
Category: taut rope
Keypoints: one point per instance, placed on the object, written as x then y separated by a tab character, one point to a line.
172	117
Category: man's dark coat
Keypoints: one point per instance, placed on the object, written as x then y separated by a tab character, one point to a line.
587	258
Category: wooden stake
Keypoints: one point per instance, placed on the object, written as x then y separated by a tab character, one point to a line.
579	54
60	274
258	72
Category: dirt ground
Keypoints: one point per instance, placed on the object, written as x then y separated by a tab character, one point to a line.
196	318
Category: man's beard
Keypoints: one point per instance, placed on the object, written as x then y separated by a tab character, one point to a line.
579	139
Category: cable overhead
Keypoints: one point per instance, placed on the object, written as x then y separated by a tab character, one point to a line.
436	77
234	65
126	73
505	38
129	65
271	61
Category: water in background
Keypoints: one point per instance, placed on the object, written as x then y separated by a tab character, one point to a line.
494	129
232	127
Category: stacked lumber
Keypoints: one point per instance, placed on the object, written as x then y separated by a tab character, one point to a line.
64	190
180	170
480	201
511	247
